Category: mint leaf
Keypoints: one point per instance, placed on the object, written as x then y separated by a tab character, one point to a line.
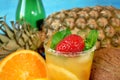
57	37
91	39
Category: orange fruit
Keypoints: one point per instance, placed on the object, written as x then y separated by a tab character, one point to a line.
23	65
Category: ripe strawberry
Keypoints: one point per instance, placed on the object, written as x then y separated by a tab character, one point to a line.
71	43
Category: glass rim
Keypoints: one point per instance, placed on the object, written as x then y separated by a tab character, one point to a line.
71	54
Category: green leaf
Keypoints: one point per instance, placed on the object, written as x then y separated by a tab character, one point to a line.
91	39
57	37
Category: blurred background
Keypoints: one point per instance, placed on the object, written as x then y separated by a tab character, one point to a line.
8	7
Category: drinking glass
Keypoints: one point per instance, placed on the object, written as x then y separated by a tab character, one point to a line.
68	67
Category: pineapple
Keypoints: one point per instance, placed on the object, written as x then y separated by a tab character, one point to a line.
105	19
18	37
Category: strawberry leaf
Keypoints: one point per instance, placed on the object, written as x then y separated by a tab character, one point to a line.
91	39
57	37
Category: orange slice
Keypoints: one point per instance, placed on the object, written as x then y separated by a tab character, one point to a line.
23	65
59	73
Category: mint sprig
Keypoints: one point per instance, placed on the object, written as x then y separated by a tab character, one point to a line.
58	36
91	39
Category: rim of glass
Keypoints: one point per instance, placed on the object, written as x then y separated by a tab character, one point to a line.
71	54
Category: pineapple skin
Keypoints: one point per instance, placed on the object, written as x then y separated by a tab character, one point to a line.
105	19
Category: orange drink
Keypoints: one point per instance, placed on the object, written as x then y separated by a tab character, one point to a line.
71	58
61	67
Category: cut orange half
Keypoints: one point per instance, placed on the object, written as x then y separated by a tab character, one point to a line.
23	65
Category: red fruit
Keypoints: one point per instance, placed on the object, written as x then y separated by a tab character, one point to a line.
71	43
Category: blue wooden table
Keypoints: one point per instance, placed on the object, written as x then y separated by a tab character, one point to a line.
8	7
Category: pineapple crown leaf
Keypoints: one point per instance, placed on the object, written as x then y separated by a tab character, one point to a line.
5	28
3	38
22	35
